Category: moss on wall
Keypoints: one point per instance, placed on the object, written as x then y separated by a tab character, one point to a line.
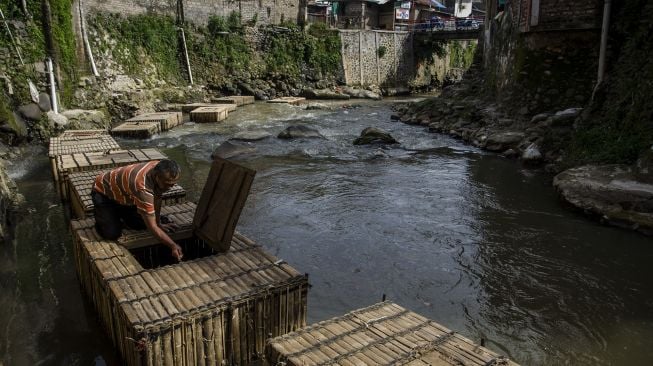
619	124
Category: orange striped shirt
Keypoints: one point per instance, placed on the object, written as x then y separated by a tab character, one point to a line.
129	185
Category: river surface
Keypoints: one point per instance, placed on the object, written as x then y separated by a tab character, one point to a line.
473	241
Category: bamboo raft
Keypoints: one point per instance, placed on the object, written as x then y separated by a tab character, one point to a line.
288	100
209	114
187	108
214	309
382	334
81	185
166	120
140	130
64	165
239	100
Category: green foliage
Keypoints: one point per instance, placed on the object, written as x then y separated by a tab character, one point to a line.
619	125
425	46
317	49
154	36
381	51
460	55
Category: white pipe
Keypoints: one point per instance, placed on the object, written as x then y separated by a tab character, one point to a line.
87	44
604	42
12	37
53	91
183	40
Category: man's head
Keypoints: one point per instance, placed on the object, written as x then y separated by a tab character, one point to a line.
166	174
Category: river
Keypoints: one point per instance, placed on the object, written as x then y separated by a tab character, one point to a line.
471	240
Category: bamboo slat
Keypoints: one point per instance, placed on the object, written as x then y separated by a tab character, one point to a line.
187	108
382	334
79	143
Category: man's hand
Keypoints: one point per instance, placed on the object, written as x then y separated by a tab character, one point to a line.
177	252
170	227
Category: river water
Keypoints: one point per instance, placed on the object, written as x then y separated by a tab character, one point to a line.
473	241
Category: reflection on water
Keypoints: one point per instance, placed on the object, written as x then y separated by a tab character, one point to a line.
468	239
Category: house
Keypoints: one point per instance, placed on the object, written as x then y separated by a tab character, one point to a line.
551	15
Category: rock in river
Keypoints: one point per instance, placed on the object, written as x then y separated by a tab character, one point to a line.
373	135
299	131
251	135
229	149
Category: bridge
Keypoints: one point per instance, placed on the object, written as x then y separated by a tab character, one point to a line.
452	34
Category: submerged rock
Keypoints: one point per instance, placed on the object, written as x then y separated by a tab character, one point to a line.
503	141
255	135
373	135
299	131
611	192
230	149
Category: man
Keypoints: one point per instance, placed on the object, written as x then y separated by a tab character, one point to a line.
132	194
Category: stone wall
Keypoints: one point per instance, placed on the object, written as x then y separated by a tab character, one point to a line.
377	57
199	11
542	15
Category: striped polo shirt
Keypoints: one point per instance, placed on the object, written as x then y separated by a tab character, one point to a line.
129	185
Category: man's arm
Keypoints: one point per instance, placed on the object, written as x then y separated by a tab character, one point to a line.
153	227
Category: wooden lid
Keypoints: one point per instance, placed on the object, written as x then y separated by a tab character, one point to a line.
221	202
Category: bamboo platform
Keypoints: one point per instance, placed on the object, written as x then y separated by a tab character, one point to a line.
239	100
382	334
81	185
79	133
166	120
212	309
288	100
187	108
209	114
64	165
79	143
140	130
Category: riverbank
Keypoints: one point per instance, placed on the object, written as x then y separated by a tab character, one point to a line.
614	194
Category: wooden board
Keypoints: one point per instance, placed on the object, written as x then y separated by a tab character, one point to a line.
382	334
288	100
236	99
209	114
221	202
141	130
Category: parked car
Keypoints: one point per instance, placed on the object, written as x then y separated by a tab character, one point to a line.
467	23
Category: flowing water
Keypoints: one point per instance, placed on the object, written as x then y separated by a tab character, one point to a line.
471	240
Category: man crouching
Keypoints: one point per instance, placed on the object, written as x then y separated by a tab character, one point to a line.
132	194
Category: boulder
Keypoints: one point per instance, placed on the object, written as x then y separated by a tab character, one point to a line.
230	149
30	111
611	192
532	154
503	141
539	118
360	93
566	117
83	119
373	135
44	102
323	94
390	92
58	121
255	135
316	106
299	131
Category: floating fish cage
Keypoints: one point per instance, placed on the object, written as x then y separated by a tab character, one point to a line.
187	108
239	100
139	130
214	308
288	100
382	334
209	114
217	307
79	141
166	120
64	165
81	185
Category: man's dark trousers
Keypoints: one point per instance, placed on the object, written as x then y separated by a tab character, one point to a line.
110	216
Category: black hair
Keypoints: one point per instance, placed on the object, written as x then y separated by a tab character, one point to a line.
169	167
